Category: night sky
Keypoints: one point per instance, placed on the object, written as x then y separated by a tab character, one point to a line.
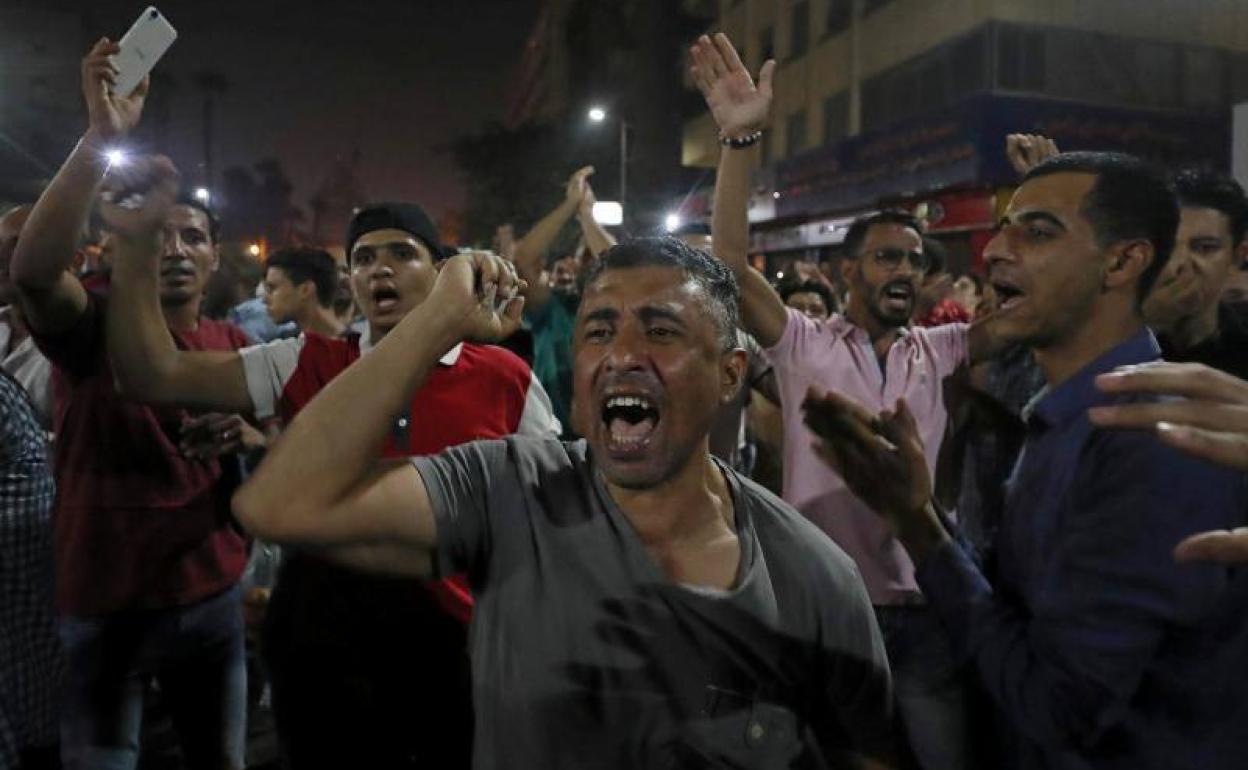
311	80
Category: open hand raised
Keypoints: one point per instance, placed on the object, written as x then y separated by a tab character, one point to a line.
739	108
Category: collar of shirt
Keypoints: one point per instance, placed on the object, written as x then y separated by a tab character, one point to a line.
1055	406
842	327
449	359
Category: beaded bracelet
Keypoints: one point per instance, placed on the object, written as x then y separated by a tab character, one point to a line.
741	142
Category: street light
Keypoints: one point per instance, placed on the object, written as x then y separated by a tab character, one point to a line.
202	195
608	213
254	249
598	115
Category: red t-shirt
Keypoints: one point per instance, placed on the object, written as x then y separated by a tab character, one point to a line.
475	392
947	311
138	526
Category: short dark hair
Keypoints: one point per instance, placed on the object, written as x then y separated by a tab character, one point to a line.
789	287
302	264
715	279
858	230
937	256
1201	188
1130	199
214	223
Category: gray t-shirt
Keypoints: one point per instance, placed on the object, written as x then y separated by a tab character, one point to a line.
585	655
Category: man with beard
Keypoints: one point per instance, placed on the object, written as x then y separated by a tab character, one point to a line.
640	604
868	354
345	651
553	295
1098	650
147	557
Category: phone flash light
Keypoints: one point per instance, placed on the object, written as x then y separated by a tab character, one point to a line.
116	157
608	213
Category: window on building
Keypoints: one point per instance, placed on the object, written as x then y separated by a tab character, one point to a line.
836	117
1237	67
837	20
800	38
767	44
1204	81
1020	59
968	62
764	149
795	133
1112	69
1109	69
928	82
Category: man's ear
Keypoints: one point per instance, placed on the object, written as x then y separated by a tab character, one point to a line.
849	267
736	363
1126	261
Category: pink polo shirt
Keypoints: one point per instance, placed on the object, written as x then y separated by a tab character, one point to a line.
837	355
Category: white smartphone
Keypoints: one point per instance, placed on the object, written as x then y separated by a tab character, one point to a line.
141	47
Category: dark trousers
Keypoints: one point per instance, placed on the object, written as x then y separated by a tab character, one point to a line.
195	653
365	672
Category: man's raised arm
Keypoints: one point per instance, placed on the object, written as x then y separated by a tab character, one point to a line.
321	484
597	239
147	366
740	111
52	298
530	254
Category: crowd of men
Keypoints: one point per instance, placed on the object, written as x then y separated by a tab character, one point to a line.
634	505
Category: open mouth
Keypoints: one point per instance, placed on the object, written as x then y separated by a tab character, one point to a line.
1008	295
630	422
898	295
385	298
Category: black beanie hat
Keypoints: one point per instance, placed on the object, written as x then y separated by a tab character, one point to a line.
408	217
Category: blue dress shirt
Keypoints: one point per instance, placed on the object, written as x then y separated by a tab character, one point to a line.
1096	647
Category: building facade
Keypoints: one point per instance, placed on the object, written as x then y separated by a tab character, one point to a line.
908	102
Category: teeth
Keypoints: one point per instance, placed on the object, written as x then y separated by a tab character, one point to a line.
626	442
623	401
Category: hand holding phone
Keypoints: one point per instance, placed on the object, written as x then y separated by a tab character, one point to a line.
140	48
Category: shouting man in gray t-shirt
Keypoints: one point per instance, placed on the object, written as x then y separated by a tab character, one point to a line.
638	604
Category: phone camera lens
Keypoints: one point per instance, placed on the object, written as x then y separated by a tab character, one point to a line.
153	14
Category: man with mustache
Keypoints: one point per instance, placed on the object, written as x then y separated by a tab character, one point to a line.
345	650
1098	650
871	355
147	557
639	603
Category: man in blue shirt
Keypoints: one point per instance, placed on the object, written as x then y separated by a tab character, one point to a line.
1097	648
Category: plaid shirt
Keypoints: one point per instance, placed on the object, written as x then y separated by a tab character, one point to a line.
30	663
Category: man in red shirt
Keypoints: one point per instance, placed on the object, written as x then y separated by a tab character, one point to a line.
347	651
147	555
